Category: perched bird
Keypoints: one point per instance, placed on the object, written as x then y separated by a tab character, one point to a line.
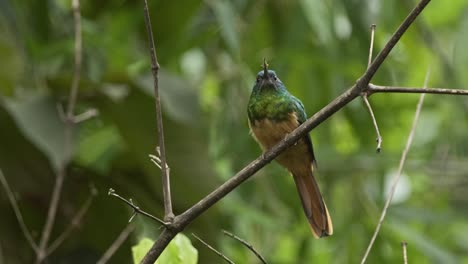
273	113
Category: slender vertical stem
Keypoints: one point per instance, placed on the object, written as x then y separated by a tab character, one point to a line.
374	121
365	96
168	214
404	245
371	46
68	134
400	170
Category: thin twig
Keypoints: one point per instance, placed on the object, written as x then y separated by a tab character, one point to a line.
136	209
184	219
88	114
371	46
405	256
68	130
400	170
76	221
214	250
393	89
19	216
78	60
51	213
365	94
168	214
248	245
116	244
374	121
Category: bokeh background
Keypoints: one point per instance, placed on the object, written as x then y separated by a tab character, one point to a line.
209	52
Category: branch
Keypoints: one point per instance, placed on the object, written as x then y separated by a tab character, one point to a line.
168	214
181	221
365	95
371	46
405	255
248	245
393	89
136	209
116	244
19	216
400	170
214	250
76	221
374	121
69	124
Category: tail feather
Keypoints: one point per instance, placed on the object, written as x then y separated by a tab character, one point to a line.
312	202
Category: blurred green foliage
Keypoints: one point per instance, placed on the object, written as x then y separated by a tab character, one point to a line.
210	52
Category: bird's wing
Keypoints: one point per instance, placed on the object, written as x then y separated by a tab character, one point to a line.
300	112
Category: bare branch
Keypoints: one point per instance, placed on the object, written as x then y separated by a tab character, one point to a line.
248	245
76	221
19	216
51	214
116	244
181	221
405	255
393	89
400	170
371	46
136	209
68	130
375	65
374	121
214	250
168	214
90	113
365	94
78	60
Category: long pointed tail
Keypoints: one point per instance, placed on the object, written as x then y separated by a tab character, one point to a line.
314	207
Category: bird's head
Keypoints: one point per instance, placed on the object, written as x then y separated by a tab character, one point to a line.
267	78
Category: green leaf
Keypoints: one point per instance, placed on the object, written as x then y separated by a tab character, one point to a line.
179	251
139	250
37	117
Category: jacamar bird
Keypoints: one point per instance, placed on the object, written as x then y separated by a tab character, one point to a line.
273	113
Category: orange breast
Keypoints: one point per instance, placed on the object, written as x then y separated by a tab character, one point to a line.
268	133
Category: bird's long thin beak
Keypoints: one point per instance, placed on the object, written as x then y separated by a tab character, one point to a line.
265	68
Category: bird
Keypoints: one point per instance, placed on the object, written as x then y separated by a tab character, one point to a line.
273	113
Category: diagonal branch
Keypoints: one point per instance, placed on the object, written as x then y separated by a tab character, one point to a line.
136	209
19	216
168	214
400	170
181	221
116	244
214	250
76	221
247	245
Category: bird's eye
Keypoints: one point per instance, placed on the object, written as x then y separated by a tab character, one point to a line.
275	78
258	78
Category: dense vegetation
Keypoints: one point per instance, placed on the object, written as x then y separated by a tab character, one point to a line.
209	52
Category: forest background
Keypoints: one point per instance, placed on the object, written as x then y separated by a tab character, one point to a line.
209	52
